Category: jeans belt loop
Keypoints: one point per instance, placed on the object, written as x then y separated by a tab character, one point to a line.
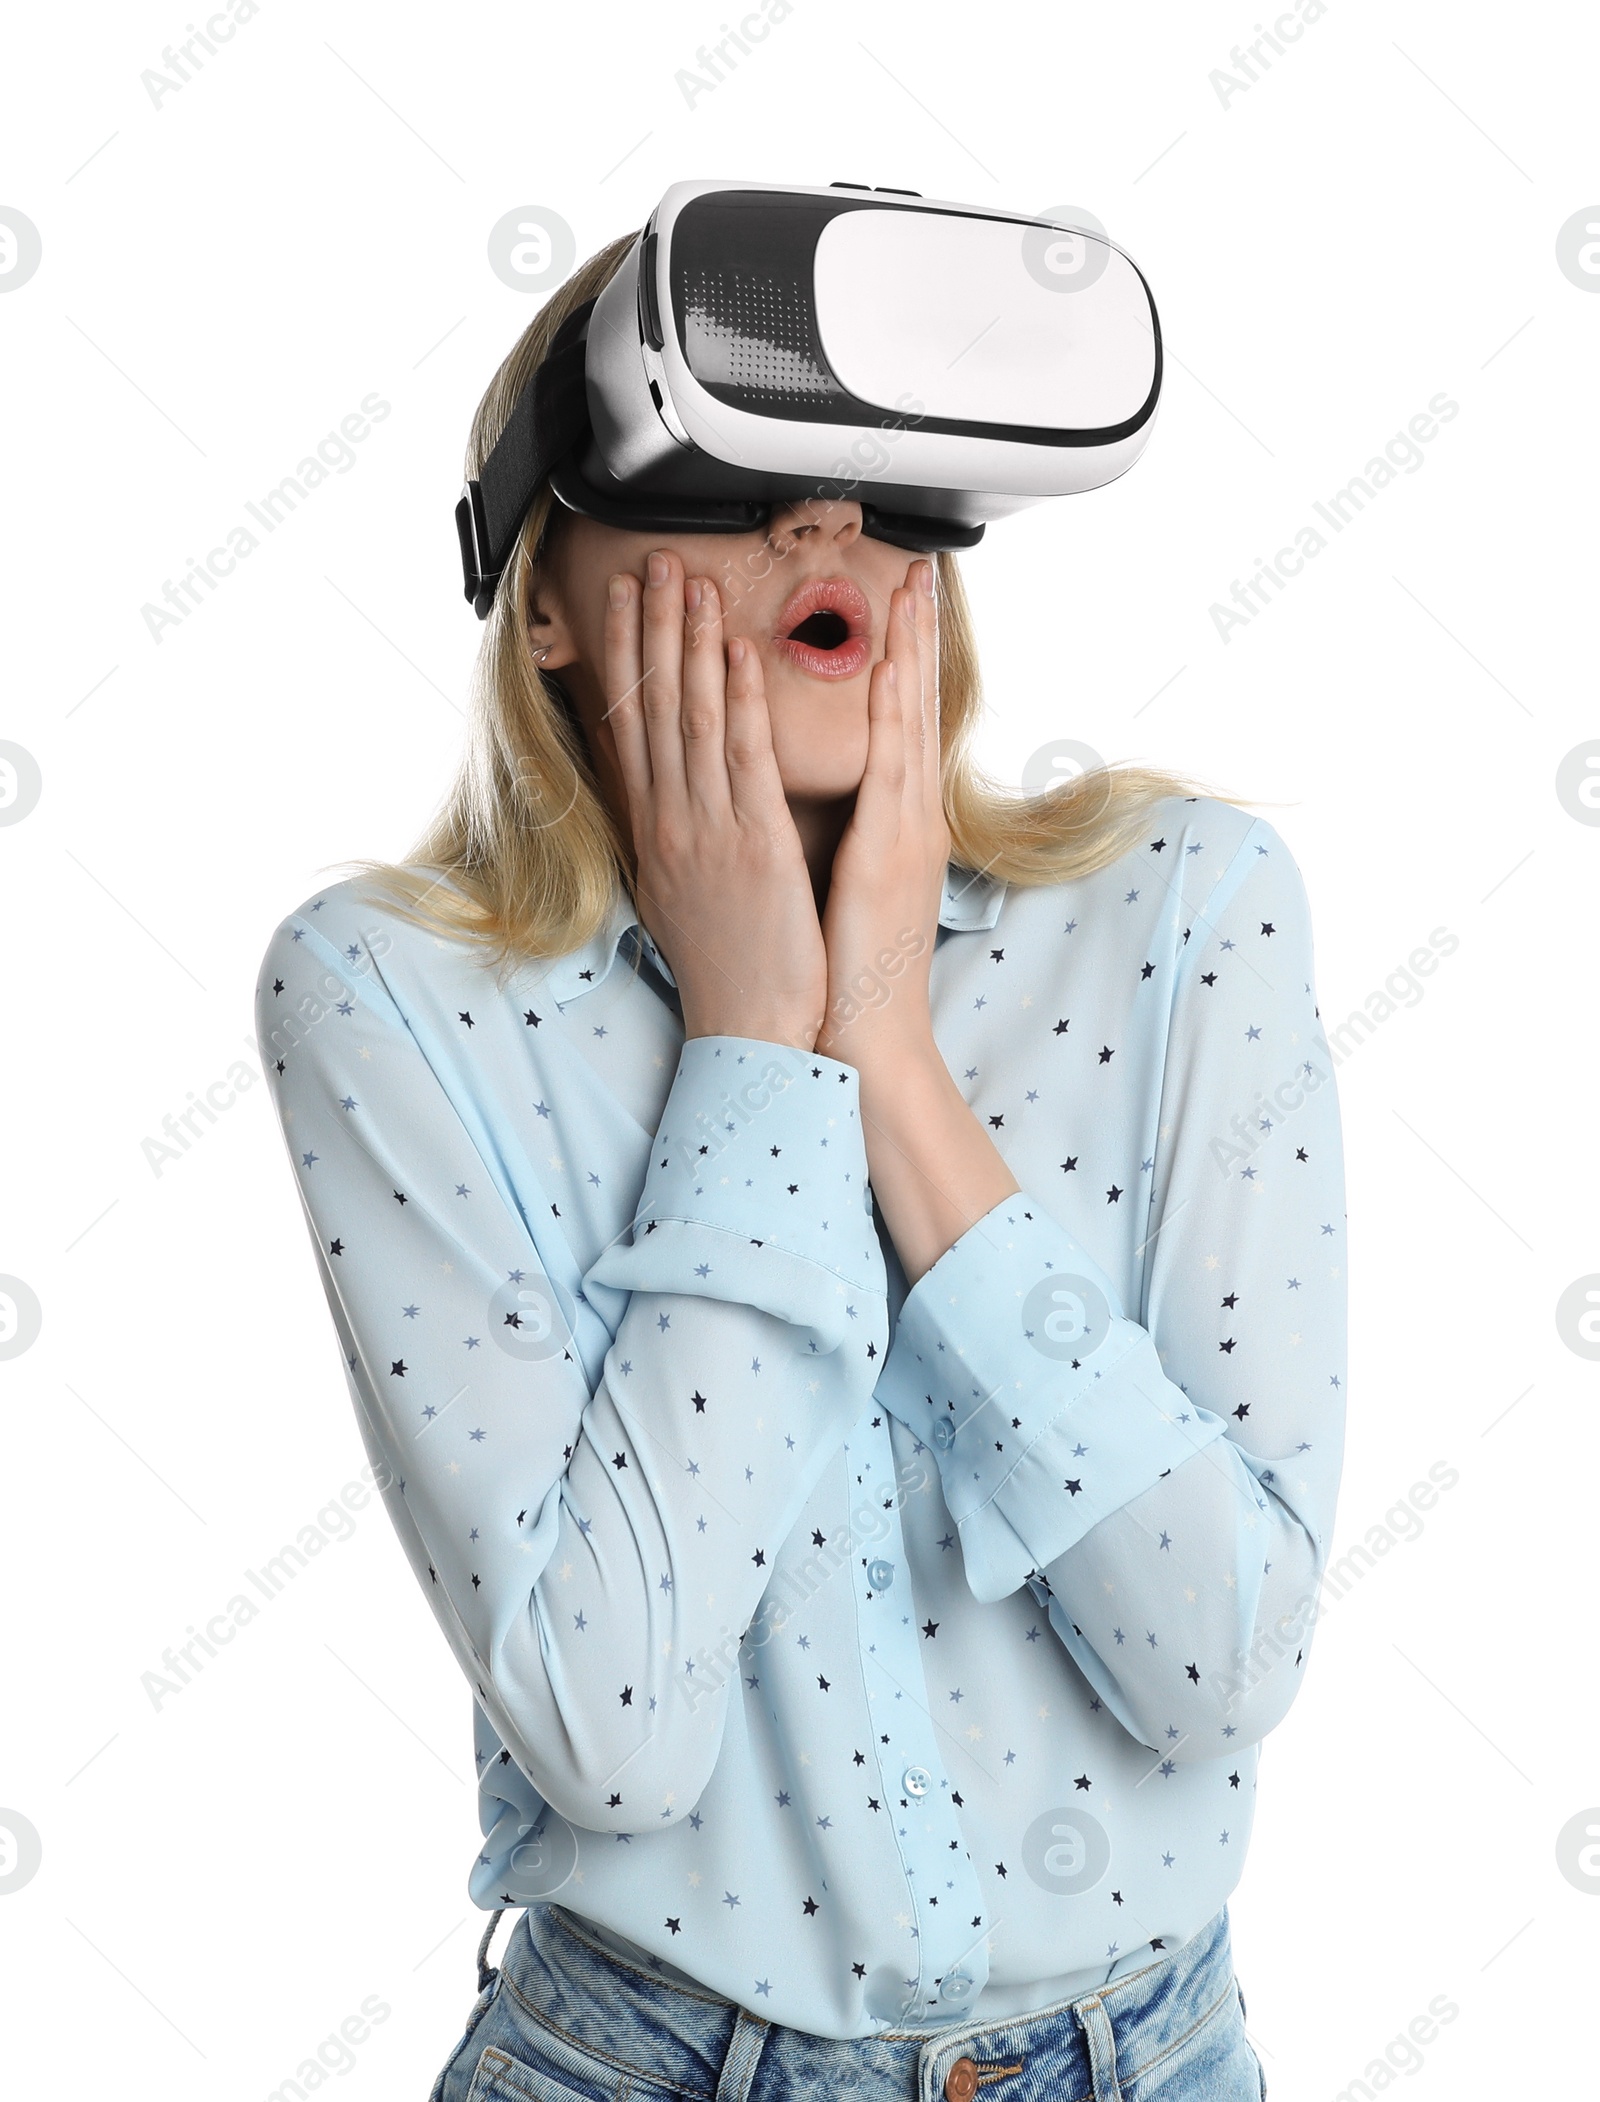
1096	2026
744	2049
487	1975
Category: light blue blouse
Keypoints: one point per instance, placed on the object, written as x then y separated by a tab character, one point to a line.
878	1660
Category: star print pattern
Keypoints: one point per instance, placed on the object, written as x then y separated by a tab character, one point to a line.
793	1597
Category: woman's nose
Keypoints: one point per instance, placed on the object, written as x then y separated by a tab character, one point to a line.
833	519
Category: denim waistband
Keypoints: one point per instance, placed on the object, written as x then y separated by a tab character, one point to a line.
689	2039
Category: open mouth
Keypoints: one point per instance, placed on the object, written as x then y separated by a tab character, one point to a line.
826	629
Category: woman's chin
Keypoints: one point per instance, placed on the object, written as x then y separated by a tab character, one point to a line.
809	783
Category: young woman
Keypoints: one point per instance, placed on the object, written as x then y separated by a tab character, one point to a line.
840	1271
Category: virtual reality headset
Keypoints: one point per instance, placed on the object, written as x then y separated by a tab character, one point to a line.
941	364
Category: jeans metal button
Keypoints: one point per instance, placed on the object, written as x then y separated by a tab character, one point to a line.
961	2082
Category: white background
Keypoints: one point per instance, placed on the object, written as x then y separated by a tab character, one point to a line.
224	277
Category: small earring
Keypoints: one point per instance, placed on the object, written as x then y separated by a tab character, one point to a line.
543	651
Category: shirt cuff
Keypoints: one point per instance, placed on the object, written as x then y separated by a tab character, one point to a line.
757	1183
1045	1405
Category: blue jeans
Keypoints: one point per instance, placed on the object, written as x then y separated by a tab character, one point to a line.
565	2020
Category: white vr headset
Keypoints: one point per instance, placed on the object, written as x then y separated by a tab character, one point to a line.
941	364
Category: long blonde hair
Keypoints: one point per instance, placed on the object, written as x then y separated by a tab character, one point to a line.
523	855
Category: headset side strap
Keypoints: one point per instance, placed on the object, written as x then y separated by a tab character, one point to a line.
551	416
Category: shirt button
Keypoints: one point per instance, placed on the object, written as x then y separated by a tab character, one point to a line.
956	1985
944	1433
961	2082
916	1780
880	1574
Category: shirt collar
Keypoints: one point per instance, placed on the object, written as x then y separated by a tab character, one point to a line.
970	902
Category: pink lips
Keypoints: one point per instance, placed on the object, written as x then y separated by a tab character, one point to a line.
839	658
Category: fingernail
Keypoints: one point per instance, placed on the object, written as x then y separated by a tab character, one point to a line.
891	672
618	593
735	651
656	569
925	579
691	593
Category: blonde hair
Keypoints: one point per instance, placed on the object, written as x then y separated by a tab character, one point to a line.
524	857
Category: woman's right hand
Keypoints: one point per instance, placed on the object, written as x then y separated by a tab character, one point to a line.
720	874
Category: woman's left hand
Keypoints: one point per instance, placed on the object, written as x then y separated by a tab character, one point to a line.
882	913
